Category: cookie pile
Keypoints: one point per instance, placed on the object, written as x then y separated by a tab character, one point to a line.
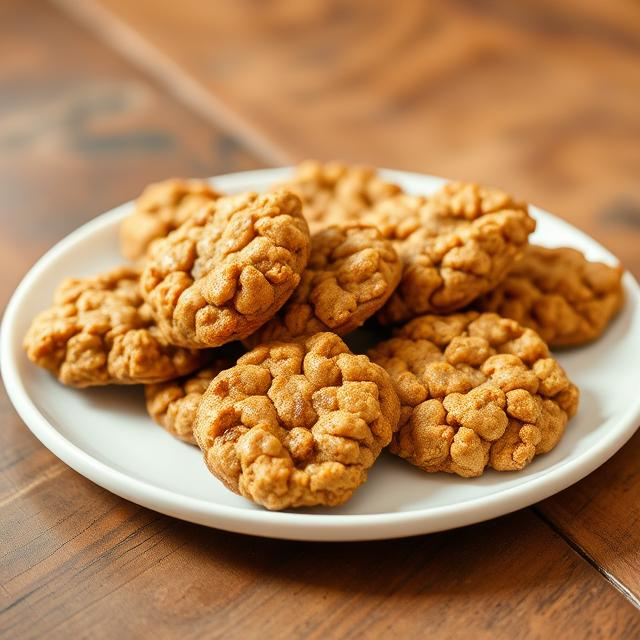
233	314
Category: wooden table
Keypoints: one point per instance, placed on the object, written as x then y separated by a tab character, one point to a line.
99	97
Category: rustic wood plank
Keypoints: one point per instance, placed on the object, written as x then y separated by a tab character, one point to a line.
600	515
538	97
512	577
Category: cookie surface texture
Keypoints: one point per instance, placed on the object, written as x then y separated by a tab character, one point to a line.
476	391
99	331
352	271
174	404
337	193
161	208
560	294
455	244
297	424
228	269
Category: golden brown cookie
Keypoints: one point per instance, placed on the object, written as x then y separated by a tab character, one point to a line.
228	269
161	208
352	271
99	331
475	390
456	245
297	424
335	193
560	294
173	404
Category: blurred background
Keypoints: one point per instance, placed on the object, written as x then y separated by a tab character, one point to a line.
100	97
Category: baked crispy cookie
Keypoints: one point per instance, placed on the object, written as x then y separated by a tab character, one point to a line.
297	424
456	245
475	391
352	271
99	331
335	193
228	269
560	294
161	208
174	404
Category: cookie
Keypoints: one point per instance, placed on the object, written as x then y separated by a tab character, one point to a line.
99	331
456	245
297	424
476	391
173	404
161	208
560	294
228	269
335	193
352	271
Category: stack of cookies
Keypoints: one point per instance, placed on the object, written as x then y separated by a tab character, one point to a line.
233	312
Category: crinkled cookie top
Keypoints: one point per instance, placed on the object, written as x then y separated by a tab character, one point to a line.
228	269
335	193
456	245
297	424
174	404
98	332
161	208
352	271
476	390
560	294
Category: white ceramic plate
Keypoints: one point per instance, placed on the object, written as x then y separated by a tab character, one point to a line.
105	434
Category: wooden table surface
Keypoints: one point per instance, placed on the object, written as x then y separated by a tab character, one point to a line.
100	97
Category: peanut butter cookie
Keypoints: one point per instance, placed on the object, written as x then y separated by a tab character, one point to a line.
99	332
456	245
352	272
335	193
297	424
161	208
560	294
174	404
228	269
476	390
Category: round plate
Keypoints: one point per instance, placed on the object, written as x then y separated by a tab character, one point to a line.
106	435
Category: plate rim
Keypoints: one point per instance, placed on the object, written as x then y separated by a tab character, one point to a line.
289	525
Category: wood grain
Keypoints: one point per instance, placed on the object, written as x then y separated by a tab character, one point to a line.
86	131
600	515
538	97
91	554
